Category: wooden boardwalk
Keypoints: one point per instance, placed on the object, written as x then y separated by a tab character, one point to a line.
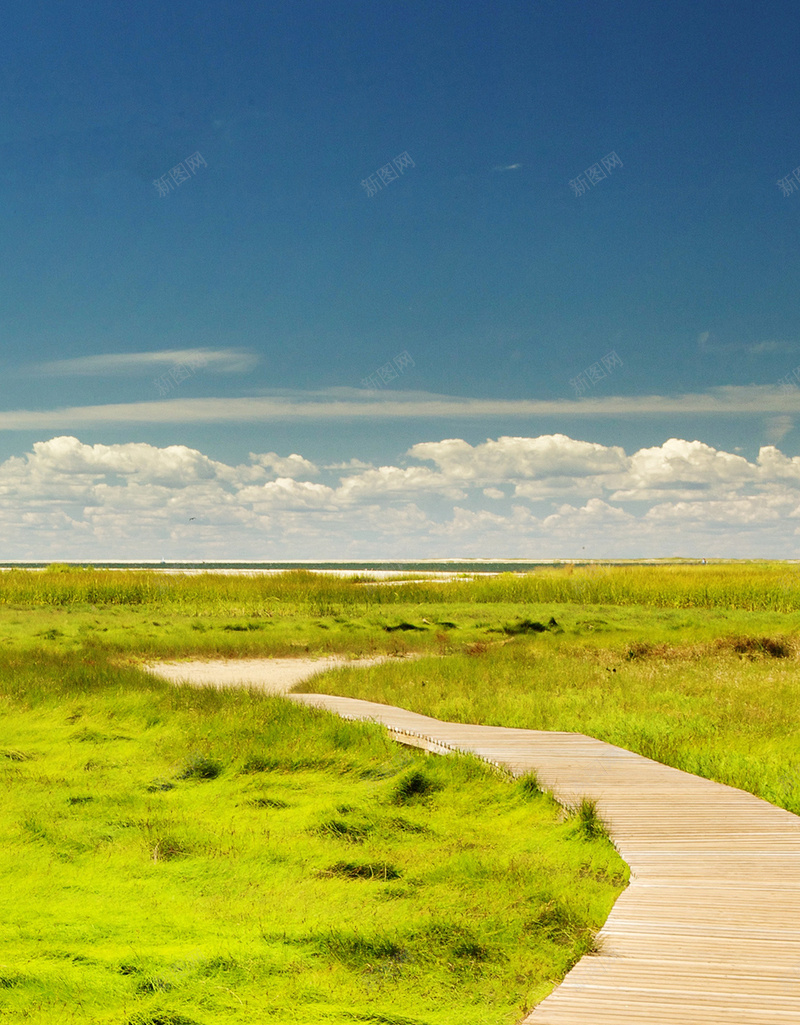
708	930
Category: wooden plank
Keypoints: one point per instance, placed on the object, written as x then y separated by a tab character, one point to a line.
708	932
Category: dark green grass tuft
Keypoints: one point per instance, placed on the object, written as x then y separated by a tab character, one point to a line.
158	785
162	1018
201	767
167	847
589	824
529	784
354	832
414	784
15	756
8	981
386	1019
525	626
261	763
359	951
380	871
562	923
268	802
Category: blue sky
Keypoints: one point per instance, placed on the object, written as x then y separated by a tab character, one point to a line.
632	336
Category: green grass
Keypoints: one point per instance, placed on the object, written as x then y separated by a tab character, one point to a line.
280	616
712	699
749	586
180	855
175	854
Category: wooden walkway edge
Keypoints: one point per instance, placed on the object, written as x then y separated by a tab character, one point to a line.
708	932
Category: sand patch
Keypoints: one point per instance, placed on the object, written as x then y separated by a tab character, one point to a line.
272	675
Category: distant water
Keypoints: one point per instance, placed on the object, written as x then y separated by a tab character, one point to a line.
447	567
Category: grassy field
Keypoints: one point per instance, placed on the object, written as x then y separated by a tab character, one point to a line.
752	586
173	855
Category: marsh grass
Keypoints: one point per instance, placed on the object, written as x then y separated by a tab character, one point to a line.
413	785
589	824
140	632
178	854
747	586
139	888
725	708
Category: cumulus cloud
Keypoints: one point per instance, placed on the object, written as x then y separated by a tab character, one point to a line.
392	480
292	466
351	464
552	455
175	465
557	497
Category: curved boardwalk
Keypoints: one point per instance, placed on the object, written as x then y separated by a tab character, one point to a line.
709	929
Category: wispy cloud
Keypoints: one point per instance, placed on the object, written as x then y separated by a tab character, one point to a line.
349	403
707	342
777	427
508	167
226	361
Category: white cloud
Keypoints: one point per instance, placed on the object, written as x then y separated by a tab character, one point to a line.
357	404
229	361
752	510
552	455
392	480
66	499
351	464
174	465
285	493
678	463
777	427
292	466
706	342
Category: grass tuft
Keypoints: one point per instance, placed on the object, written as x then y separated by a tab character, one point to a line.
774	647
385	1019
201	767
14	755
529	784
358	951
157	785
354	832
169	847
260	763
267	802
10	981
412	785
524	626
590	825
350	870
153	984
162	1018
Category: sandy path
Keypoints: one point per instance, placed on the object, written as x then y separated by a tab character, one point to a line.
272	675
